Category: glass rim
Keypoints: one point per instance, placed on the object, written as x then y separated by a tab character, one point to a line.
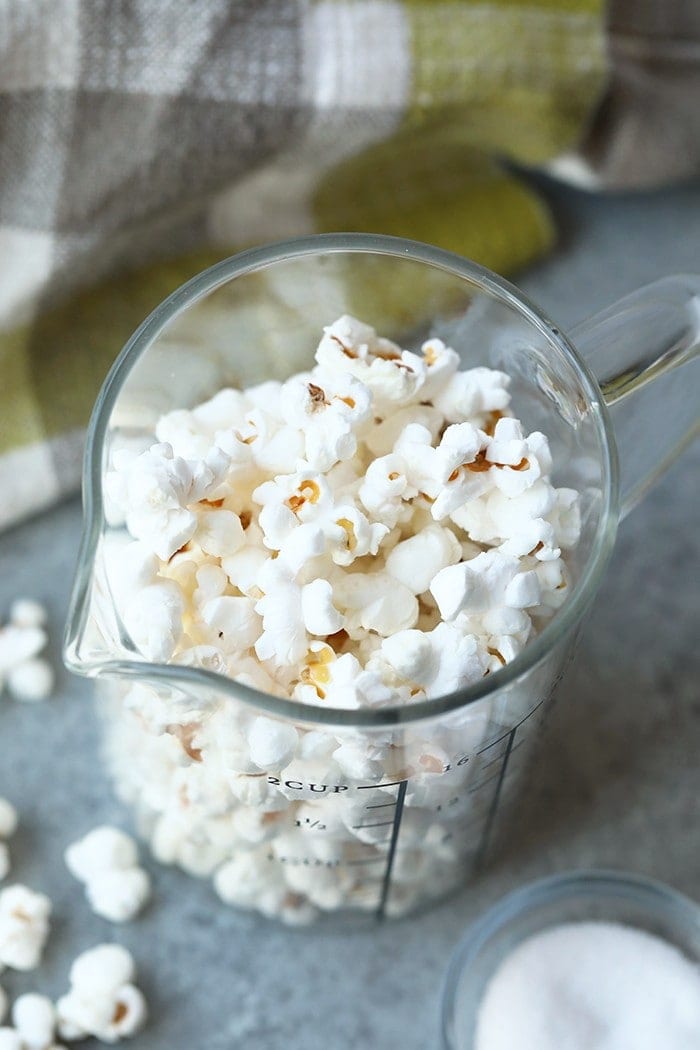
652	896
249	261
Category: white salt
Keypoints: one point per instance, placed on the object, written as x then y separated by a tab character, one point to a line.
592	986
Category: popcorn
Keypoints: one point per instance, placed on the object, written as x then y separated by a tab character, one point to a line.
488	584
272	744
102	849
375	602
383	488
102	1001
382	437
34	1017
119	895
154	620
328	410
10	1039
233	623
318	612
392	375
24	927
156	489
25	612
103	968
376	531
439	661
31	681
106	860
473	393
416	561
219	532
18	644
284	639
27	676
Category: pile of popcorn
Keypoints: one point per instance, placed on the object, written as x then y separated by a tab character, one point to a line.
376	531
102	1000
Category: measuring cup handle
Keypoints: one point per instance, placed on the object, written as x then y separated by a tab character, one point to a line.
645	353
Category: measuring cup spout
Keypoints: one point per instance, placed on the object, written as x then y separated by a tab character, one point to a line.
644	351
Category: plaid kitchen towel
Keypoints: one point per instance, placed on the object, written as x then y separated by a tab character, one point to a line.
141	140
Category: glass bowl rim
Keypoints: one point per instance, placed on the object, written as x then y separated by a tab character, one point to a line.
196	289
651	894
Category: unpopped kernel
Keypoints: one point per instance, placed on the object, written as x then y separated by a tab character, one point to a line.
376	531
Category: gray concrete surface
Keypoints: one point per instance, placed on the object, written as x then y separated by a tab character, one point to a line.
620	783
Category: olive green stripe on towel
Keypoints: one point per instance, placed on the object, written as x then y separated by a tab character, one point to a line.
521	79
20	420
432	187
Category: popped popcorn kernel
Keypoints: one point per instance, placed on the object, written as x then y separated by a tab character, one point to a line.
102	1001
27	676
24	927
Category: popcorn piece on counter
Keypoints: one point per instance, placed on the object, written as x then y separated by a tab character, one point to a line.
105	848
26	612
106	860
24	927
18	644
119	895
34	1017
26	675
31	681
103	968
102	1001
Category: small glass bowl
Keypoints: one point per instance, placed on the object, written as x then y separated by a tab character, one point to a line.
606	896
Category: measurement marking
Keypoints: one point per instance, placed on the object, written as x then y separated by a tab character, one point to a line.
381	911
498	758
509	731
481	853
376	787
382	824
381	805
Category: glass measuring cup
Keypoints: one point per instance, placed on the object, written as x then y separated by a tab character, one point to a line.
382	810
